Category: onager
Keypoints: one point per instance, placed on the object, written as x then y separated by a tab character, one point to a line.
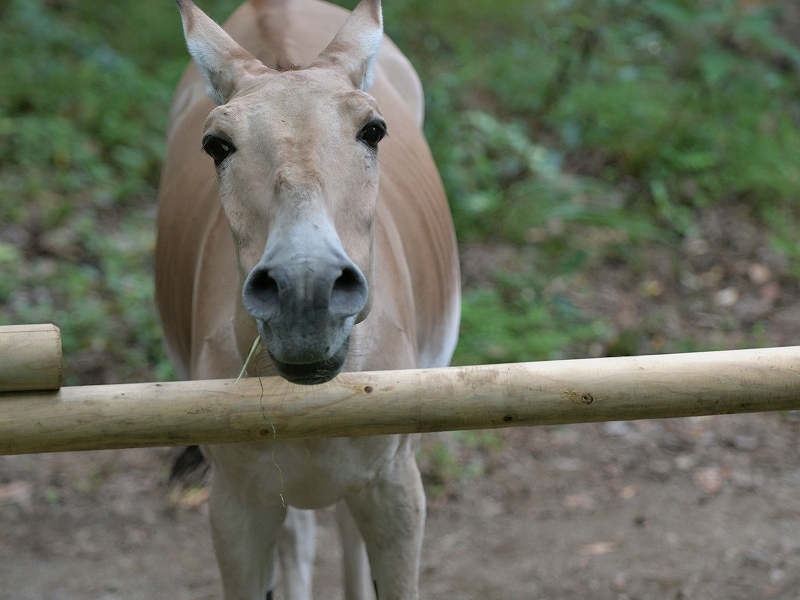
316	220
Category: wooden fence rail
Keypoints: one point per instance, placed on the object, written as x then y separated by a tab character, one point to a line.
30	358
354	404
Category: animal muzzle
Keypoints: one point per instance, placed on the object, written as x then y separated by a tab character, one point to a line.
305	308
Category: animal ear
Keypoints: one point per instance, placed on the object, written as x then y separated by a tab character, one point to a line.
354	49
223	63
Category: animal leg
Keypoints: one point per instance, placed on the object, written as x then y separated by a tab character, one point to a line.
244	530
296	549
357	577
391	517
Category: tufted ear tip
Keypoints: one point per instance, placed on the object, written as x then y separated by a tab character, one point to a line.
187	9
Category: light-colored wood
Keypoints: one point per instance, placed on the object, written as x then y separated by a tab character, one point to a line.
30	358
544	393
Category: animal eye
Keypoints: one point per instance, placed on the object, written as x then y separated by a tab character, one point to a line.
217	148
372	133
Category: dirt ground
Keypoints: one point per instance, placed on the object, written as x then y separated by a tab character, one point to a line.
707	507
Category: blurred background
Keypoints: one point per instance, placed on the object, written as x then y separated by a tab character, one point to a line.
624	175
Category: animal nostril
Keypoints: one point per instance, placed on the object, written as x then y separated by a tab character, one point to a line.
349	293
349	281
261	294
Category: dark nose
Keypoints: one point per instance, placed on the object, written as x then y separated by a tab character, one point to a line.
302	289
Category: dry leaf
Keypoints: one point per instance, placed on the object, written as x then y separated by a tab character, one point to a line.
758	273
598	548
709	479
16	492
191	498
582	501
726	297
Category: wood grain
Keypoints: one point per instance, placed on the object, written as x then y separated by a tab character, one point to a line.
354	404
30	358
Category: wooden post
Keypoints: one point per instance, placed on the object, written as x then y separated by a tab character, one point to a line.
543	393
30	358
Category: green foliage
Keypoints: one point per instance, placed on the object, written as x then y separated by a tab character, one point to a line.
521	319
439	466
621	114
446	459
553	123
508	185
486	440
693	101
81	143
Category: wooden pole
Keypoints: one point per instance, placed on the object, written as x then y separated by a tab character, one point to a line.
30	358
544	393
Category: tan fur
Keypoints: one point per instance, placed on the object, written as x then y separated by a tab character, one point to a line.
411	200
402	240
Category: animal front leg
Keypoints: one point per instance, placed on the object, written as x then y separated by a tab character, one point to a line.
245	530
391	516
355	564
296	549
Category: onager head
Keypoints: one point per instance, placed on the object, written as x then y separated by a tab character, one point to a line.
296	154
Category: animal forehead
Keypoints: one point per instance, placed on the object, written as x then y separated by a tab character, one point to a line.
295	98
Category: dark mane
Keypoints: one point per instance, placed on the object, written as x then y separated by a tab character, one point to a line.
284	65
272	22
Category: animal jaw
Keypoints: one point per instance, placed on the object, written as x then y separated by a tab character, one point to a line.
313	373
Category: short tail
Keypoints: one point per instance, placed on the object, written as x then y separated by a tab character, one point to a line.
189	466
